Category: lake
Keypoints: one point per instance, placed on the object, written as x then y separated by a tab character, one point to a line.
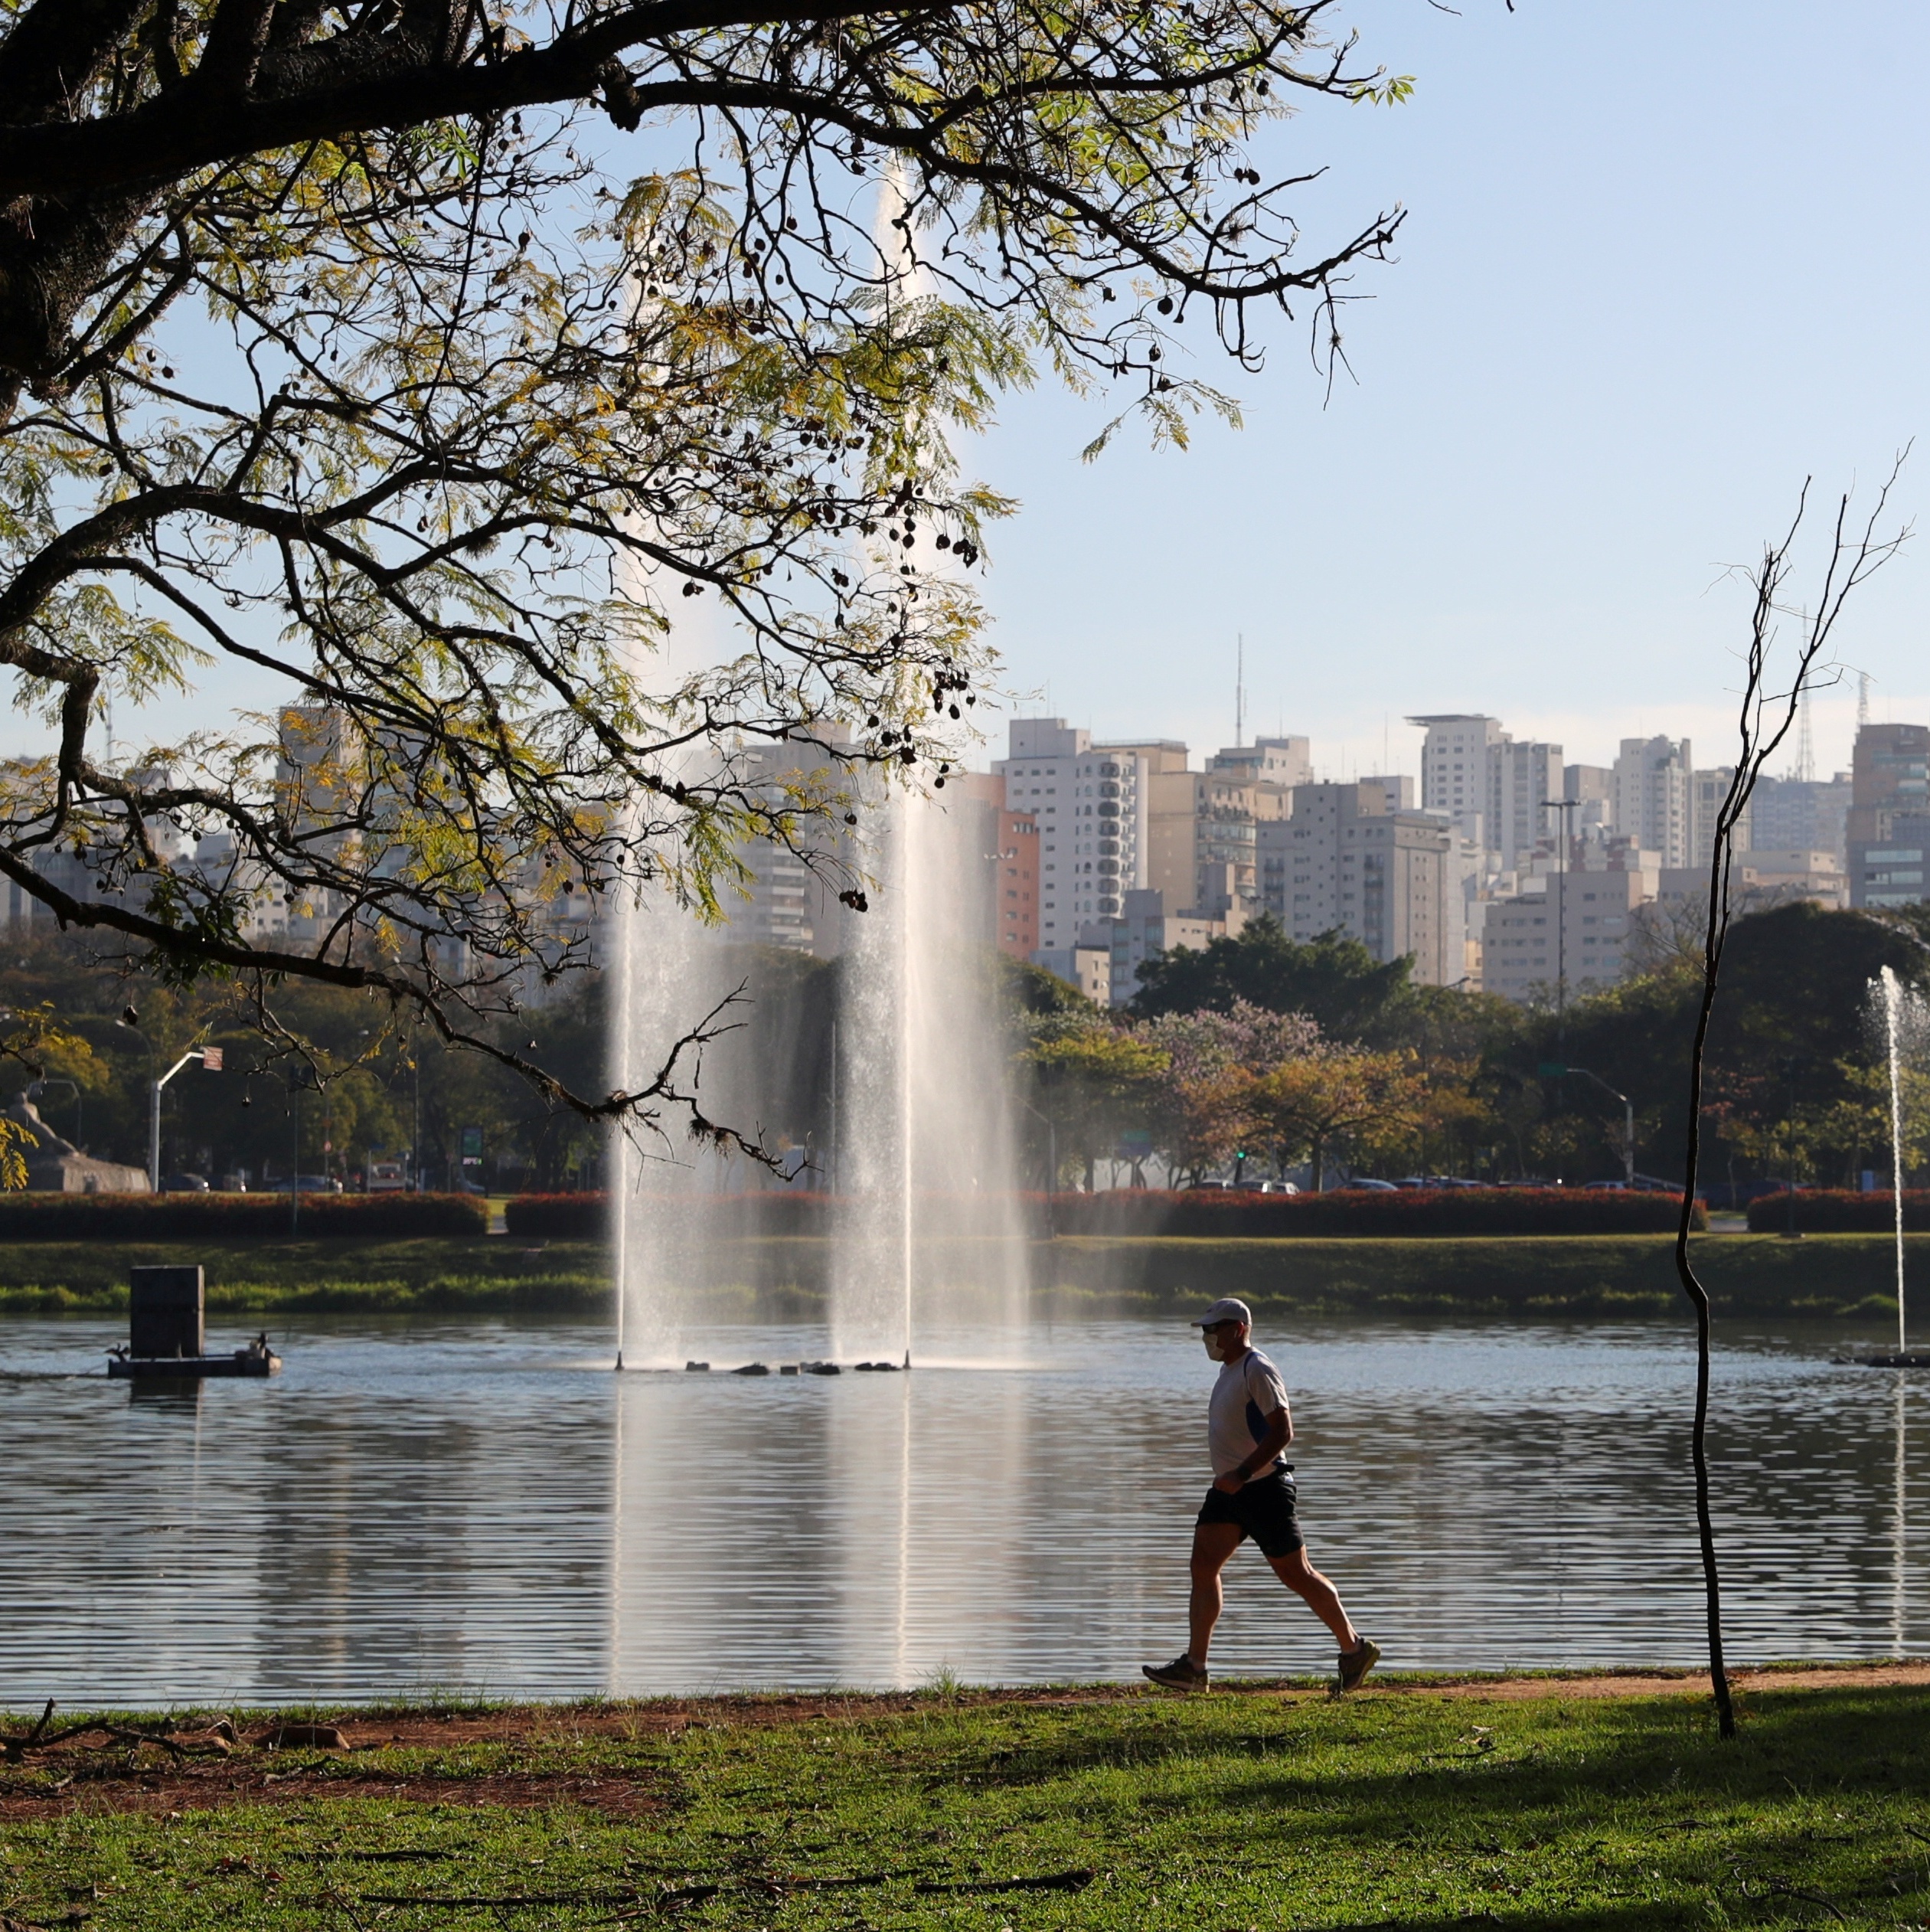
483	1507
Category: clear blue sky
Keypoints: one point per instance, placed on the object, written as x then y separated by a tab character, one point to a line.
1660	263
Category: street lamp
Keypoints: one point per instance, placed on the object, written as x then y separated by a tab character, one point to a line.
1557	1070
210	1060
1563	806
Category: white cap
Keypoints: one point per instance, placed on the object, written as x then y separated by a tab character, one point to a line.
1225	1309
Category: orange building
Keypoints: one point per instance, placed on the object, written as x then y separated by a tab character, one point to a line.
1016	904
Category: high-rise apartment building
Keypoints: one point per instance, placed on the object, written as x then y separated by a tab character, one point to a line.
1492	789
1392	880
1017	888
1890	871
789	905
1572	928
1396	791
1889	820
1147	928
1088	804
1709	792
1802	814
1521	780
1454	768
1286	762
1592	787
1202	827
1890	772
1653	805
1166	783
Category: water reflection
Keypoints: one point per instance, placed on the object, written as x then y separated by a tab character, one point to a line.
487	1507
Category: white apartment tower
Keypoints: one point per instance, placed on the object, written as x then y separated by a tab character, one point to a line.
1522	779
1454	762
1088	802
1390	878
1655	801
1494	790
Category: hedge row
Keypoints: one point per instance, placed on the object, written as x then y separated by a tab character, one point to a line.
234	1217
1837	1211
1228	1214
1213	1213
586	1216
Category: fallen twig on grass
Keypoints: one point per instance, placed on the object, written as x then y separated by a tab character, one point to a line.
505	1901
411	1856
1046	1881
217	1740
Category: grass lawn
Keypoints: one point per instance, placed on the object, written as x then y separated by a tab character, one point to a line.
1401	1806
1824	1276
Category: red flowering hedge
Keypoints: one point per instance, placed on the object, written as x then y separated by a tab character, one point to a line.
1233	1215
1225	1213
1837	1211
586	1216
233	1216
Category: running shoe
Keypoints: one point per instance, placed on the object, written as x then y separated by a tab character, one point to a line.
1354	1666
1182	1674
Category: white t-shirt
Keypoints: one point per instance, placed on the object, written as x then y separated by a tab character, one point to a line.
1248	1391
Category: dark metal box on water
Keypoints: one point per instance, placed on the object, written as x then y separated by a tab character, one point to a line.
166	1312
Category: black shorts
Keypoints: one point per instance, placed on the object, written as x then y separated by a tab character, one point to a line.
1262	1509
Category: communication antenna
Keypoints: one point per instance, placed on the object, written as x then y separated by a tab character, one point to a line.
1863	699
1239	690
1805	748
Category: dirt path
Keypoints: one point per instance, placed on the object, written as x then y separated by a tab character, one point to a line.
94	1771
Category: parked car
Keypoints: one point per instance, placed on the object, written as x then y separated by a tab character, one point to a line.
304	1184
387	1177
1370	1186
184	1184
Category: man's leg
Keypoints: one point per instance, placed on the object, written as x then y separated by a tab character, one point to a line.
1304	1581
1213	1544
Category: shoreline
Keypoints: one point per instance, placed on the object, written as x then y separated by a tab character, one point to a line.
441	1718
1823	1277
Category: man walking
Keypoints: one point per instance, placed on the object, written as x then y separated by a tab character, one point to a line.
1247	1425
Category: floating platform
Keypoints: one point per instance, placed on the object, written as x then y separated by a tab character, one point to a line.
257	1362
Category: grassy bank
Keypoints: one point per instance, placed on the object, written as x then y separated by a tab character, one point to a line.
1833	1276
268	1277
1107	1811
1609	1275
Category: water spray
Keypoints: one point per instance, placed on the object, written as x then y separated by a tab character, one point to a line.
1902	1015
1893	994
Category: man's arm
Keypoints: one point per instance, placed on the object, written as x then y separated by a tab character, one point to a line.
1279	1433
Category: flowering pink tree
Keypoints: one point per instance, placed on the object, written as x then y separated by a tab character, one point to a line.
1203	1103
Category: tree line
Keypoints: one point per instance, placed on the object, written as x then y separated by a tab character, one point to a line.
1258	1054
1394	1078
